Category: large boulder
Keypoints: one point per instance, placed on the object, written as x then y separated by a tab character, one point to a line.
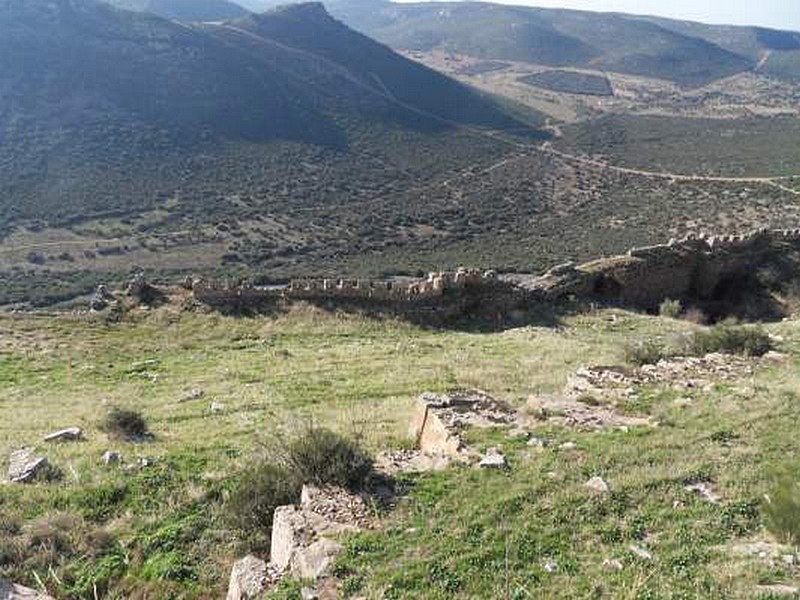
315	560
24	466
290	532
11	591
249	579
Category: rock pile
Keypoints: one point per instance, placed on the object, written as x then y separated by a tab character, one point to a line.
303	543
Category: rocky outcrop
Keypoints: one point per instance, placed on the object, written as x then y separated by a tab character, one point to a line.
249	579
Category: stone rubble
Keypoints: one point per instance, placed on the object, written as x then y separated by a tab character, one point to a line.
110	457
612	383
580	415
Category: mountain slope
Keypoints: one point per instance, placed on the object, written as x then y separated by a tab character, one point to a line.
689	54
185	10
103	109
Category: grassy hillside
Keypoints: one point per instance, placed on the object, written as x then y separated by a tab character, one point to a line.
462	533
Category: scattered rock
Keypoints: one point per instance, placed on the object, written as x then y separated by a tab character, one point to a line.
683	401
568	446
217	407
538	442
705	490
550	566
11	591
612	564
341	510
65	435
596	484
308	593
640	552
778	589
250	578
494	459
762	549
24	466
111	457
193	394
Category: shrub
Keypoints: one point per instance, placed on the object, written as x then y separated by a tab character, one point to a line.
731	339
122	423
317	456
782	510
321	457
670	308
644	352
257	492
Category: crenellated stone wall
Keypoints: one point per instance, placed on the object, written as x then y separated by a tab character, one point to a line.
693	266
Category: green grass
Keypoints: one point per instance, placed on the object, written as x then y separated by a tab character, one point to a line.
161	530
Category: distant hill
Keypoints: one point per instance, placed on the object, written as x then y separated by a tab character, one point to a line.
689	54
106	110
185	10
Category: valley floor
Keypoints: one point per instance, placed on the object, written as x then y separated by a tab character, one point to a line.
533	531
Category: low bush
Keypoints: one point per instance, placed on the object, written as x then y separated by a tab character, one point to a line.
729	338
323	457
670	308
122	423
255	495
782	510
644	352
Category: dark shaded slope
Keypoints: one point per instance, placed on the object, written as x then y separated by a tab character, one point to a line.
185	10
104	111
309	27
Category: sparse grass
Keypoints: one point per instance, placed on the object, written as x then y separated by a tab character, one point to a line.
463	533
782	509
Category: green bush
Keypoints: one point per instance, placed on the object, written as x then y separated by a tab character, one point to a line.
670	308
782	510
122	423
644	352
318	456
256	493
730	339
322	457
